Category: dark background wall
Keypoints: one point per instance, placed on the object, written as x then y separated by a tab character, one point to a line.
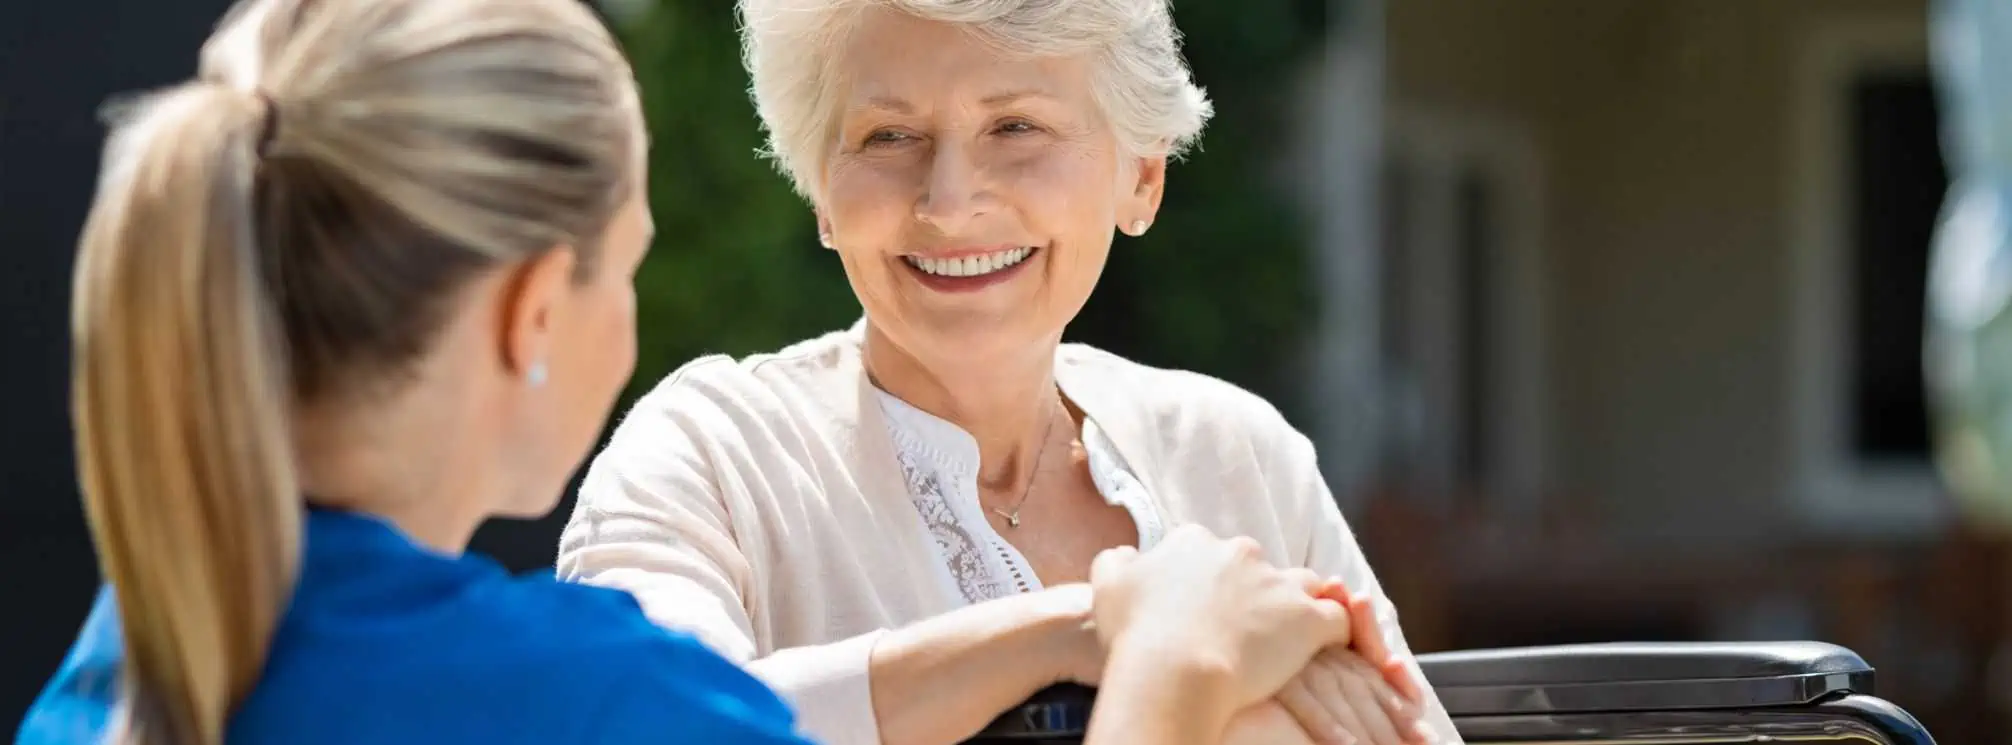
58	62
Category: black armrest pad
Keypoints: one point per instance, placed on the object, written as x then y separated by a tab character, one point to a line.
1636	662
1639	676
1577	677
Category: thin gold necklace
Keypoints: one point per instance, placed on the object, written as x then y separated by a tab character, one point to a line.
1013	517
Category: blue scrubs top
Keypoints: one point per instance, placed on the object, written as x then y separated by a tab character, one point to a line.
387	642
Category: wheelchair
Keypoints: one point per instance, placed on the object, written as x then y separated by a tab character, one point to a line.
1632	693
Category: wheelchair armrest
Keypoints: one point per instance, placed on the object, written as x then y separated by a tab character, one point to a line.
1059	713
1643	677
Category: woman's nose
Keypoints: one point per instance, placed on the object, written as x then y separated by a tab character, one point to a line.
954	193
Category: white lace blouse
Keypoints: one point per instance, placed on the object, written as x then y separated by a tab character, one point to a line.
939	461
787	512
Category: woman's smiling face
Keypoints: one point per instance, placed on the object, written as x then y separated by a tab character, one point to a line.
971	194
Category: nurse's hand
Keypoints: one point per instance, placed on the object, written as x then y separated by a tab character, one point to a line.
1212	604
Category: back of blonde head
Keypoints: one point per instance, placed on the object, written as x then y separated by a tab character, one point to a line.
290	227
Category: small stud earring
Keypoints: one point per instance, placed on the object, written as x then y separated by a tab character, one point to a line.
1138	227
535	377
824	239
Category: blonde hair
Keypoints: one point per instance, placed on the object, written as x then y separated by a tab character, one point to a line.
290	226
1142	83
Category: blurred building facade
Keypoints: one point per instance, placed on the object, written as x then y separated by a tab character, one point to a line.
1648	285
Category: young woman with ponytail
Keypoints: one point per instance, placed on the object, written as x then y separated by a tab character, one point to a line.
366	282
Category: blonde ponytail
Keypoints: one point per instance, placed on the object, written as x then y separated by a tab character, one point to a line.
181	411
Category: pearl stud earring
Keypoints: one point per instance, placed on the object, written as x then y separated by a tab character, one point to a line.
824	239
1138	227
535	377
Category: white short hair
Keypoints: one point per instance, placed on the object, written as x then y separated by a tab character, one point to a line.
1141	80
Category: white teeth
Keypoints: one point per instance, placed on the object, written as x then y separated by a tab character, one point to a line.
970	266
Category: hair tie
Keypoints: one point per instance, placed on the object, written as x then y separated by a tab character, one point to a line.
269	126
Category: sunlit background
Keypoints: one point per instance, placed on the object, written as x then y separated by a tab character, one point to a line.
1609	315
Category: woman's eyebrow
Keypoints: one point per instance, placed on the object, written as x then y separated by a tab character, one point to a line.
1001	99
887	103
1008	98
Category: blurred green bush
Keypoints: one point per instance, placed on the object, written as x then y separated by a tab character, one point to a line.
1221	285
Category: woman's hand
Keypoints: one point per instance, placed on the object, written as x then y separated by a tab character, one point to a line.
1360	695
1267	723
1215	606
1342	698
1368	640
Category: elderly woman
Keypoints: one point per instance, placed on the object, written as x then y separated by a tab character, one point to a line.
891	523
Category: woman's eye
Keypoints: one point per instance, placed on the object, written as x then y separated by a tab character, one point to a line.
886	137
1016	127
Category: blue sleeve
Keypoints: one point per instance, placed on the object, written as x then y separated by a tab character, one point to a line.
678	691
78	701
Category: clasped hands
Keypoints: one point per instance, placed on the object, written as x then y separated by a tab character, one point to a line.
1309	659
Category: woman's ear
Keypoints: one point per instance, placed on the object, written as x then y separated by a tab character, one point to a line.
823	222
1142	206
534	296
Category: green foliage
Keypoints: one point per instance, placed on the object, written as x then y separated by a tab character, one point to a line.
736	267
1221	285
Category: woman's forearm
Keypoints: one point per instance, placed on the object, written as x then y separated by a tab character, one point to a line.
940	681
